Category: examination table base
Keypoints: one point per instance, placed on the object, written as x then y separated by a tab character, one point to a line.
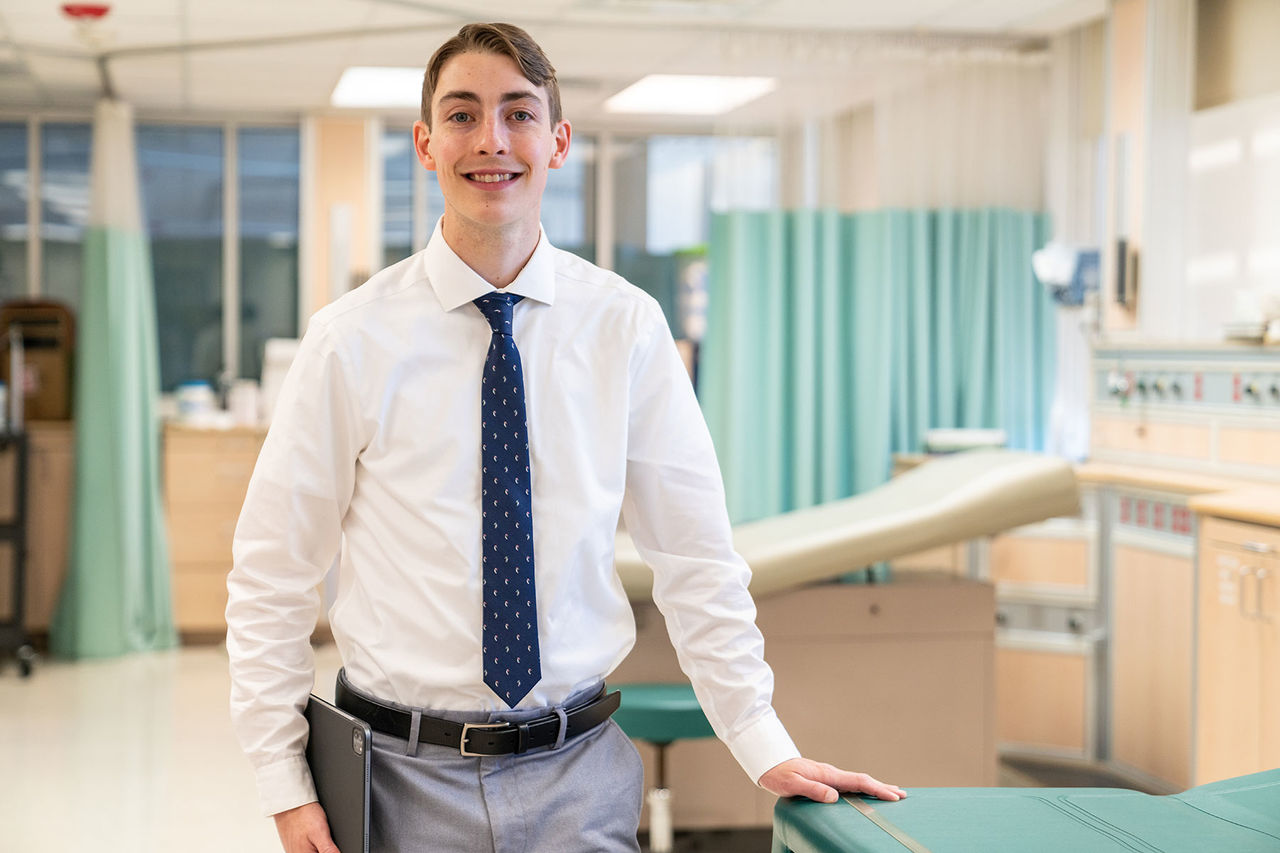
1240	815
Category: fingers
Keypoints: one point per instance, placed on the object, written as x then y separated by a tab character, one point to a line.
819	792
800	777
861	783
844	780
305	830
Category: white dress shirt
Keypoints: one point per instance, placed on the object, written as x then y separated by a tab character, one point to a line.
374	453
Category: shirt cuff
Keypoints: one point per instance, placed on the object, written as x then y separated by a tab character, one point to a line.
285	785
762	746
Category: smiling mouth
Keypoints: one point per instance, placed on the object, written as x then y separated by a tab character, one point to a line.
492	178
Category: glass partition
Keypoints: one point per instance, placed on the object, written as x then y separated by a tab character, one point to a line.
181	172
14	191
267	166
64	201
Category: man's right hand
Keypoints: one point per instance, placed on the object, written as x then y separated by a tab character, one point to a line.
305	830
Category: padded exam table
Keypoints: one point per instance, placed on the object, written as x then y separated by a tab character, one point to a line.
1240	815
944	500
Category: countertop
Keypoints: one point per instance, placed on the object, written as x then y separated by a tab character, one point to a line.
1258	504
1251	492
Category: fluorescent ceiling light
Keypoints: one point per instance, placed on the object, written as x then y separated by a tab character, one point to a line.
363	86
688	94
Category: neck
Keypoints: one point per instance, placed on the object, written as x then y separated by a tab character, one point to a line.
496	254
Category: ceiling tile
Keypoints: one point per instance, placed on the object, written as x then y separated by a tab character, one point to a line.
820	49
138	22
987	15
149	82
223	21
66	81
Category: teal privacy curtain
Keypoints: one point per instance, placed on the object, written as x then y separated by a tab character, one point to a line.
835	340
116	596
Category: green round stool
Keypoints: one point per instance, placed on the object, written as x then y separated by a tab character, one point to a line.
660	714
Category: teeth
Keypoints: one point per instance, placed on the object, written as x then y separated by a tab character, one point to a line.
491	179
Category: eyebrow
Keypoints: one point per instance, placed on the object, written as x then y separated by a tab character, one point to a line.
507	97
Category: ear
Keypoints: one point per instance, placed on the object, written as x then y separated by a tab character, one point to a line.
421	141
562	134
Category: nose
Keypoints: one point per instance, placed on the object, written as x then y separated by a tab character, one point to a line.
492	138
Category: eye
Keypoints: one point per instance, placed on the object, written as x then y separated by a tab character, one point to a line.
522	115
459	117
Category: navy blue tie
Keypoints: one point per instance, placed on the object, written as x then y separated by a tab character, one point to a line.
511	660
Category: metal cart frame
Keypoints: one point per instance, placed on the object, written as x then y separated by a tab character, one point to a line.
14	638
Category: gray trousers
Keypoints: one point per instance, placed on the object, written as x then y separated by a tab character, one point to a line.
581	797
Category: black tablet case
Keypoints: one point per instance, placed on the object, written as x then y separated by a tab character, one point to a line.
338	753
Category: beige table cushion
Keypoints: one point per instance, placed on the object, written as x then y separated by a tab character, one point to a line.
945	500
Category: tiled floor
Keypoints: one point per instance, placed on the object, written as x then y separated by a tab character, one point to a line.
137	755
134	754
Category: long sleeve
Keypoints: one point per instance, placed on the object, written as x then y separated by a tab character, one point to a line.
674	510
286	539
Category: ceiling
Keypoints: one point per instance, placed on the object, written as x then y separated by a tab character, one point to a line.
222	58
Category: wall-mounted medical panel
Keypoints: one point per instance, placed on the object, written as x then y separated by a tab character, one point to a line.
1211	409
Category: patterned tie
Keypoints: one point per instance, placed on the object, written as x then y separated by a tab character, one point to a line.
511	660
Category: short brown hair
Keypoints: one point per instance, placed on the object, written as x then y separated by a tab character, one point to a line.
504	40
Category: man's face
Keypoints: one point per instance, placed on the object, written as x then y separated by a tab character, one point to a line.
490	142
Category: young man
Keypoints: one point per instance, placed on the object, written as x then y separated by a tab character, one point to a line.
465	429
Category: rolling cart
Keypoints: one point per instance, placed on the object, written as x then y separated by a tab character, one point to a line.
14	639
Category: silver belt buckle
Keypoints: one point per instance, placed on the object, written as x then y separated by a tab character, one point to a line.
466	730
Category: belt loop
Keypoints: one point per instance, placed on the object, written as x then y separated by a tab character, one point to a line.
522	738
415	723
564	725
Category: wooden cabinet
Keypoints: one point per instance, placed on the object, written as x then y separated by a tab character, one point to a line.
1152	581
1238	650
1046	579
893	679
206	474
1043	698
1151	663
50	485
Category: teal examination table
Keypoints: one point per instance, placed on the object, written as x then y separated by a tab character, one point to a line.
1240	815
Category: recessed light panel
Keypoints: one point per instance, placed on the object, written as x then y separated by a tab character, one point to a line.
688	94
365	86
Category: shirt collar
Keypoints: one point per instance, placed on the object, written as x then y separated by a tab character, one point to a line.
456	284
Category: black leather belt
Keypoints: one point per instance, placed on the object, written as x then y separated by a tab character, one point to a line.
480	738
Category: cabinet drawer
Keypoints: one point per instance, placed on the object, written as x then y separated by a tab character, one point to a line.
839	611
200	596
8	612
1238	535
1187	441
221	478
202	534
50	482
1042	698
8	475
1039	562
212	442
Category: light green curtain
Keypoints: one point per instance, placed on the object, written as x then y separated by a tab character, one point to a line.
835	340
116	595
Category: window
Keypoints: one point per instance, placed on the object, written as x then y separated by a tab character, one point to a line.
267	166
411	198
181	172
60	217
398	167
14	192
667	187
64	206
569	202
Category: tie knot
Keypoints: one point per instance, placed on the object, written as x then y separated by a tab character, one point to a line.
497	309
